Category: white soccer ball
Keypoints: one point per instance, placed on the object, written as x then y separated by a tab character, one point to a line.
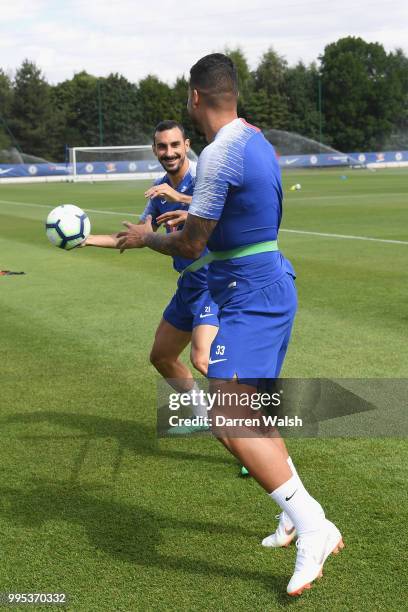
67	226
298	186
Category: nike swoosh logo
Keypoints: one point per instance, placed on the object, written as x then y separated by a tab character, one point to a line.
289	531
5	170
152	166
291	161
290	497
211	361
202	316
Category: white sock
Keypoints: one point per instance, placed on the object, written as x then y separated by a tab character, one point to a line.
294	472
292	467
304	511
199	406
286	518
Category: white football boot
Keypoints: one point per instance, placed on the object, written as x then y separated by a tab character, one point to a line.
284	534
313	550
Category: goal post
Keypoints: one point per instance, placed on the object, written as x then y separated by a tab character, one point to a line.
115	163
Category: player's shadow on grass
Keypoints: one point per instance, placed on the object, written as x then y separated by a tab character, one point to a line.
129	435
134	533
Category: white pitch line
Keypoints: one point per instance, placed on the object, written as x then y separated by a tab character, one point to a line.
292	231
50	206
345	196
344	236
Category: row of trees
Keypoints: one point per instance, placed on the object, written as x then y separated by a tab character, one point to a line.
356	98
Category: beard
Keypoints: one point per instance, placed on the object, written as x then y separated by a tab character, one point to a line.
196	124
173	168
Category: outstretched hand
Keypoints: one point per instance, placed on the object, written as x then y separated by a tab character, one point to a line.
134	237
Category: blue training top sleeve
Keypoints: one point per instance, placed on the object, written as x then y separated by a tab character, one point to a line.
150	209
219	168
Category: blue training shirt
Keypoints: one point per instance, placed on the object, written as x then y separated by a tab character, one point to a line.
239	184
157	206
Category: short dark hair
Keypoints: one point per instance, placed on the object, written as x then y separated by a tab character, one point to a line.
168	124
215	76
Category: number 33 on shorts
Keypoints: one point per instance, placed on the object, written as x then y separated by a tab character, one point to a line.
217	354
220	349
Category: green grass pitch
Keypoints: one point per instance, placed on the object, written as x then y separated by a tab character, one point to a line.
91	504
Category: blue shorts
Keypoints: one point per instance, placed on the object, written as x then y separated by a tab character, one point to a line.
254	333
190	307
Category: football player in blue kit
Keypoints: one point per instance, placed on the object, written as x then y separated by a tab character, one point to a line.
236	210
191	315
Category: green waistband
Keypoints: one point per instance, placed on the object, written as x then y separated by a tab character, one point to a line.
242	251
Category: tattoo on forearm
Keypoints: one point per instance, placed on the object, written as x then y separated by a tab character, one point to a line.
163	243
189	242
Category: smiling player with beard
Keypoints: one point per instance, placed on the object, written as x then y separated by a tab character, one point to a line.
191	315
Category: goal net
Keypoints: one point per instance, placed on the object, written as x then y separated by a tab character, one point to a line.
116	163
